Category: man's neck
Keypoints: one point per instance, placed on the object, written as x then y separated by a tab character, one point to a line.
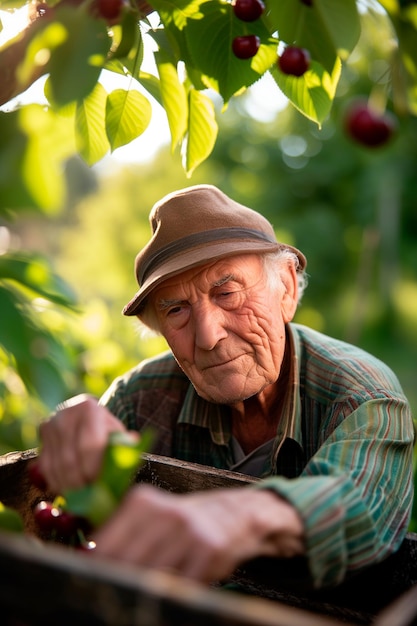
255	420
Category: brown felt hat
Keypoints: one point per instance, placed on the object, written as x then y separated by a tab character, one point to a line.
196	225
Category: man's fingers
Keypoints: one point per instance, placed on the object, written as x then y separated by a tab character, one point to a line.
73	443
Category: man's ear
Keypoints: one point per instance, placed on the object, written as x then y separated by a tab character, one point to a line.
290	297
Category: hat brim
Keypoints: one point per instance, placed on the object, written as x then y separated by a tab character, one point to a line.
201	256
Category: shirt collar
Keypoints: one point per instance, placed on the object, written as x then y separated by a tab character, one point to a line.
292	405
198	412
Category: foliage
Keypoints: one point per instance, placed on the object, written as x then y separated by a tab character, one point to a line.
189	43
33	355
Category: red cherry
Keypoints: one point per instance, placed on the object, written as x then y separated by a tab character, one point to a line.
294	61
66	524
36	477
367	127
46	515
248	10
246	46
108	9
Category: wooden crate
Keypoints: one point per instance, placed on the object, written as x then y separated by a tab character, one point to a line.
43	583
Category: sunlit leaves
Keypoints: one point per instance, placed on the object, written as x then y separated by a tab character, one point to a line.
107	121
129	34
35	144
202	131
174	98
49	144
209	34
152	85
39	356
313	92
405	59
90	124
33	273
75	65
128	114
39	50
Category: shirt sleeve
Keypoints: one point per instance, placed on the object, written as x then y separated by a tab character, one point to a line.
355	494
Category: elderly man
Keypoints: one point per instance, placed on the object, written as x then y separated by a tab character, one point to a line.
324	425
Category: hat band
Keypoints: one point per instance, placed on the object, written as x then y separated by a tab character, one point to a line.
196	239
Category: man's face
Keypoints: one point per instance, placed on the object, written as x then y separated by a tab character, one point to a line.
226	325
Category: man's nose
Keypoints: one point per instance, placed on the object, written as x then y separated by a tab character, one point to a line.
209	326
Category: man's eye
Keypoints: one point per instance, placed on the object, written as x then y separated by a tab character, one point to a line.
173	310
229	299
228	294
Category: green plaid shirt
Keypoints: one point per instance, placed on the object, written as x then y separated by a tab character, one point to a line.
342	455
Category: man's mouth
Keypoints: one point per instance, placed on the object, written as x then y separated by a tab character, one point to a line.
210	366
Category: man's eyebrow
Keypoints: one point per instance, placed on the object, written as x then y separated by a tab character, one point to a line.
225	279
165	303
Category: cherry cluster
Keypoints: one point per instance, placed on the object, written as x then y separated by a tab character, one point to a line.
246	46
54	522
294	60
61	526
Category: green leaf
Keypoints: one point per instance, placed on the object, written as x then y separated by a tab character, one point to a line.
122	459
327	28
130	49
404	74
179	12
90	126
202	131
76	64
313	93
128	114
97	501
210	44
35	144
130	37
152	85
94	502
33	272
50	142
40	359
174	98
10	520
13	191
48	36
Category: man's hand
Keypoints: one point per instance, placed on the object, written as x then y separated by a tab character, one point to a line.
204	535
73	443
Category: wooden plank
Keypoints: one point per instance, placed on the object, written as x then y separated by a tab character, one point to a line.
182	476
49	585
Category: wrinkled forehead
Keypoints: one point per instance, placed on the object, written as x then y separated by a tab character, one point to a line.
242	269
